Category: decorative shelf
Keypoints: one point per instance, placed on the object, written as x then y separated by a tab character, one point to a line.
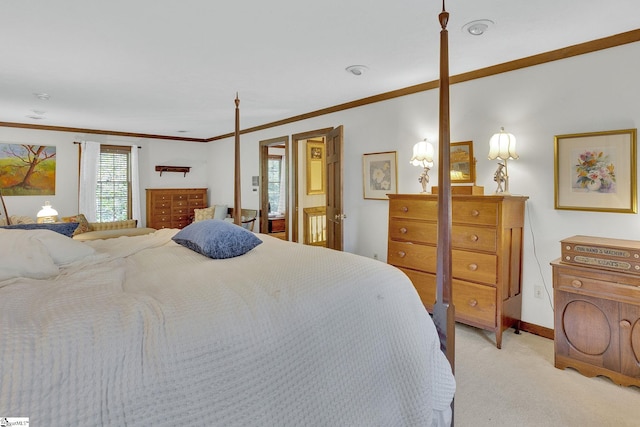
182	169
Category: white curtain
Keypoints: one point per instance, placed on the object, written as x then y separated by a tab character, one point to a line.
89	164
135	185
282	201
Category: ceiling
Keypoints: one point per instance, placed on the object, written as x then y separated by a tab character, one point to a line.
173	68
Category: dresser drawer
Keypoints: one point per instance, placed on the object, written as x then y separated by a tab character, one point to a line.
462	236
477	267
474	238
180	197
180	217
160	197
475	212
404	230
180	210
197	203
474	303
568	281
161	212
159	204
161	223
416	209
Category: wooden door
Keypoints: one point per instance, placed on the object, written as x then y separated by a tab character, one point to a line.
335	216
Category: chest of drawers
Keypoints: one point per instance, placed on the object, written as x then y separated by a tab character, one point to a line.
173	207
486	242
597	322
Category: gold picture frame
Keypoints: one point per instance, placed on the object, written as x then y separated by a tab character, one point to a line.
462	164
596	171
379	174
316	169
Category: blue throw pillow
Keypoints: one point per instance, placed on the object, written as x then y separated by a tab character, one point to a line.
217	239
66	228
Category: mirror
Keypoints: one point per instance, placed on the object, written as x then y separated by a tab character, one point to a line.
315	168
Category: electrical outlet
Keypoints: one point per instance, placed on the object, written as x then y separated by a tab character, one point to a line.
375	256
538	292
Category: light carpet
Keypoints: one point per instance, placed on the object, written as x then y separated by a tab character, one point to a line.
519	386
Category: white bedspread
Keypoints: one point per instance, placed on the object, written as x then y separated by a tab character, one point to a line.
148	333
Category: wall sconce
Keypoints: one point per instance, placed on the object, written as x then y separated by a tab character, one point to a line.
423	156
502	146
47	214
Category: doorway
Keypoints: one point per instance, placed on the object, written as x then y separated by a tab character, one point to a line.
274	187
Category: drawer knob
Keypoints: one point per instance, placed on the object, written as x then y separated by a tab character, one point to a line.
474	237
472	267
625	324
576	283
473	302
403	230
402	254
404	209
475	212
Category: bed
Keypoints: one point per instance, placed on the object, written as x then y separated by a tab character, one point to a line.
146	331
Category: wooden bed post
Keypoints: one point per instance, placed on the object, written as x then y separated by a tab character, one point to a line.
236	185
443	310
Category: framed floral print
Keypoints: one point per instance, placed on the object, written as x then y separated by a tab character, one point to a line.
596	171
380	174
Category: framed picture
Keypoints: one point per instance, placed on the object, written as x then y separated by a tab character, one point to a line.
379	174
315	168
596	171
27	170
462	163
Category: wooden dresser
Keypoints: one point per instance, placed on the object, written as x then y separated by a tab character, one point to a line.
486	236
173	207
597	320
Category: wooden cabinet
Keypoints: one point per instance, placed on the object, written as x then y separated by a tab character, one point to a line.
173	207
486	242
597	322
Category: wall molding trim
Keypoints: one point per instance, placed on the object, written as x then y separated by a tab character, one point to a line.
530	61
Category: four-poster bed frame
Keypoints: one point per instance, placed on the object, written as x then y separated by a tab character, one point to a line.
443	311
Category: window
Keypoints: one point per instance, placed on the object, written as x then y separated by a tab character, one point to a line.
113	190
275	175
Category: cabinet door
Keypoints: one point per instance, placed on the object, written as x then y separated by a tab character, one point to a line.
587	329
630	339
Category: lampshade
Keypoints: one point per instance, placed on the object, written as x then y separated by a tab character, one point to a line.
47	214
423	154
502	145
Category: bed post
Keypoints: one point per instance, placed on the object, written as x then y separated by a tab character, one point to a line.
443	310
236	184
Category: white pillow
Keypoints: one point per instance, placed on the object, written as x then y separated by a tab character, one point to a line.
62	249
21	255
220	211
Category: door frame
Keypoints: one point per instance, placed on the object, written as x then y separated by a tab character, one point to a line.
264	191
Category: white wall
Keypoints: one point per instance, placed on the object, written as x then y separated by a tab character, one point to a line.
594	92
153	152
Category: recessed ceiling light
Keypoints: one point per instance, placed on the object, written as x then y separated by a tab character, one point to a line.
182	131
357	70
41	95
477	27
34	117
39	112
